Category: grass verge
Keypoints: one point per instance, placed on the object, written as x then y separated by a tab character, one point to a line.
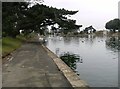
10	44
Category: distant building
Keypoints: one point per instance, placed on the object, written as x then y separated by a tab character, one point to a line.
89	29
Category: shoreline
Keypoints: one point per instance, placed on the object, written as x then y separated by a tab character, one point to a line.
73	78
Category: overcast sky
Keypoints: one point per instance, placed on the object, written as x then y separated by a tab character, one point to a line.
91	12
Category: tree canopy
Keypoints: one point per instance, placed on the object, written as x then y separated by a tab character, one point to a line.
18	16
113	25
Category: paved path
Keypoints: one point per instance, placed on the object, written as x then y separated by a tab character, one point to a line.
30	66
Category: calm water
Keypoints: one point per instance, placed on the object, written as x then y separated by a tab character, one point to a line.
99	57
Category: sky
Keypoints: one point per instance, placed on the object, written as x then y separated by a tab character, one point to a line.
91	12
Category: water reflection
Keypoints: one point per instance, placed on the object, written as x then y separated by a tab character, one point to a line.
95	62
67	40
71	59
57	50
76	40
90	39
113	43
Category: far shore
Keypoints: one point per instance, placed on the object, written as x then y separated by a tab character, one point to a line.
98	33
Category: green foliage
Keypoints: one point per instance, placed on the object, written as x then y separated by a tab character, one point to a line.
19	16
70	59
113	25
9	44
11	14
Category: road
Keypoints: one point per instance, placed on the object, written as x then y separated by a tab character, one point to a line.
30	66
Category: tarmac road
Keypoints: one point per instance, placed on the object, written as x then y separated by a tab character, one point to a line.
30	66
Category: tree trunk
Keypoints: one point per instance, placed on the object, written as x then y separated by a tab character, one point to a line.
114	30
118	30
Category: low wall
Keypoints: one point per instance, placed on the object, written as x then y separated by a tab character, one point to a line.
73	78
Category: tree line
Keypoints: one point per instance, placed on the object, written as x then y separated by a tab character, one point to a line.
113	25
18	16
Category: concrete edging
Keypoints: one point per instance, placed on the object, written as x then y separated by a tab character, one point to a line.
73	78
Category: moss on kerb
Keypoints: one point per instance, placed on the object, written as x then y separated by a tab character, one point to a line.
73	78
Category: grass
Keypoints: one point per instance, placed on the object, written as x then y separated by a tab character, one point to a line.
10	44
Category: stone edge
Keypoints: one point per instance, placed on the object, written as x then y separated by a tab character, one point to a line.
73	78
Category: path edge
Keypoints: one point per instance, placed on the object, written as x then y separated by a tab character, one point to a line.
73	78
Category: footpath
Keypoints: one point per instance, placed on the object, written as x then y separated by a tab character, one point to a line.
32	66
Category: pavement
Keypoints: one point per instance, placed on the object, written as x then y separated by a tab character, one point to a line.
31	66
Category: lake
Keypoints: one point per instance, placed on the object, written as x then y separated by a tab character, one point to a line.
99	57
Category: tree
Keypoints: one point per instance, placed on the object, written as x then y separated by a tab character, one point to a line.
19	16
113	25
11	15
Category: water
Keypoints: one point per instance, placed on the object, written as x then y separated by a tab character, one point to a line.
99	66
